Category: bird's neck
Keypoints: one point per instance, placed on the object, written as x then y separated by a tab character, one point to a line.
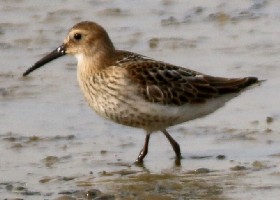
90	65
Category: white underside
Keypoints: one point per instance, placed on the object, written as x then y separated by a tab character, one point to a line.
184	113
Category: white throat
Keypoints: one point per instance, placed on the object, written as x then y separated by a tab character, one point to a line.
80	58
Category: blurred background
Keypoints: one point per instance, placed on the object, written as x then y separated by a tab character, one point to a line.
53	145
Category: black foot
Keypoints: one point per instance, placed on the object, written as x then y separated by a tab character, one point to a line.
144	151
174	144
177	162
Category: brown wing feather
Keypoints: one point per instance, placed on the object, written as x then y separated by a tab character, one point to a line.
168	84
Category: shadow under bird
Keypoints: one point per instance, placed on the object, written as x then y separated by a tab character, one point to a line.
137	91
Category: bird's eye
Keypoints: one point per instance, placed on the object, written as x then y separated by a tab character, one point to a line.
77	36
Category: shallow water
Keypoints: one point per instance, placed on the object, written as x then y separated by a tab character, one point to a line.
52	145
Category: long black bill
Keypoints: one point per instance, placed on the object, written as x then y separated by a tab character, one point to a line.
58	52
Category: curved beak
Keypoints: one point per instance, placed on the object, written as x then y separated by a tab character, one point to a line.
58	52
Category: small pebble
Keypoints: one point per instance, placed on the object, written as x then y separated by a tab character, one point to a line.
221	157
103	152
202	171
269	120
93	193
153	43
238	168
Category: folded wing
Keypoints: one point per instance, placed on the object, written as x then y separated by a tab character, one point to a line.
163	83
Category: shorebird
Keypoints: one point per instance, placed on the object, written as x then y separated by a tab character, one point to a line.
135	90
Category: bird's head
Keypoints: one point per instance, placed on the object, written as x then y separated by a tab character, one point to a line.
84	40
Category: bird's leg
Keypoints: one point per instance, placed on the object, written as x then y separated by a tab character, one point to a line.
144	151
175	145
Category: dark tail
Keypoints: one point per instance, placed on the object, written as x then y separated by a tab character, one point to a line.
230	85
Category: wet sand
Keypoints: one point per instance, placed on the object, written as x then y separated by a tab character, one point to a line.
54	147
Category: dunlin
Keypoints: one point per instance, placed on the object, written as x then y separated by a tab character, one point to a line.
137	91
